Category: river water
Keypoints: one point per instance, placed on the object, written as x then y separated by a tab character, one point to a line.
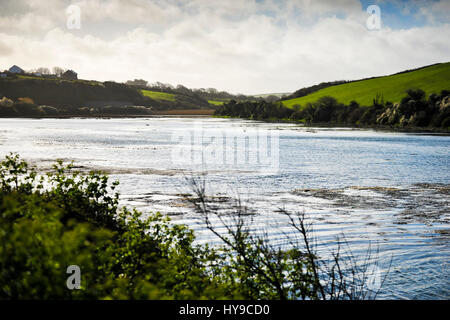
384	190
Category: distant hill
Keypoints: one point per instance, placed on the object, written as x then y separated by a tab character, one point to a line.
70	95
185	98
431	79
211	97
176	100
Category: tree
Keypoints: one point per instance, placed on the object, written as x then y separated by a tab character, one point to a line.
58	71
212	90
43	70
137	83
416	94
271	98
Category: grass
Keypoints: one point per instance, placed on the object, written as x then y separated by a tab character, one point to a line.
431	79
216	103
32	77
185	112
155	95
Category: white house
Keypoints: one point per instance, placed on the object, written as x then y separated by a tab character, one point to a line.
16	69
3	75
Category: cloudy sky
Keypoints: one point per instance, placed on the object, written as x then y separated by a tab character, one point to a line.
242	46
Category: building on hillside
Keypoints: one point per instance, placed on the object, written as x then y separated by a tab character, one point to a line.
16	69
69	75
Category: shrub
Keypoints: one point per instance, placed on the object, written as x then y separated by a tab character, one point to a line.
5	102
27	110
48	110
260	270
416	94
6	109
76	221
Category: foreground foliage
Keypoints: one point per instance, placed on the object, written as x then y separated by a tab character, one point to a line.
75	220
50	222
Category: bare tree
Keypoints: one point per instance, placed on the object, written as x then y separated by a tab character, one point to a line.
58	71
296	272
43	70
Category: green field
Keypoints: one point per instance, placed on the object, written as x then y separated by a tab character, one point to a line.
431	79
89	82
216	103
155	95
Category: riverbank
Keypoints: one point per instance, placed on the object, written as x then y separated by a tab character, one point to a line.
415	113
195	113
182	113
381	128
210	114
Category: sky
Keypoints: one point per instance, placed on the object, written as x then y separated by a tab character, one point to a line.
240	46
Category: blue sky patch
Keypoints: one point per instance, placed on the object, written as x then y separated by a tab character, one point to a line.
401	14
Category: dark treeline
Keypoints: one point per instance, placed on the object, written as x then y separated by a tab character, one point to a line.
414	110
27	108
30	95
260	110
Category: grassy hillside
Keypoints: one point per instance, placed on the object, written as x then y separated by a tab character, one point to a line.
431	79
155	95
165	96
176	100
216	103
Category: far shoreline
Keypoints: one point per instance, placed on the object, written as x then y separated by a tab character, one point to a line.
415	130
162	113
206	113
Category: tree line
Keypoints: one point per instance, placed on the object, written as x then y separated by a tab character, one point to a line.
414	110
205	93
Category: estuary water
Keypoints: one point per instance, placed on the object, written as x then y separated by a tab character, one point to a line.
383	190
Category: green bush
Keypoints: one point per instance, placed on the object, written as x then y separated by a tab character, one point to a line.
75	221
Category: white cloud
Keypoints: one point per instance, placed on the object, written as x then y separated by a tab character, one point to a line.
436	11
240	46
